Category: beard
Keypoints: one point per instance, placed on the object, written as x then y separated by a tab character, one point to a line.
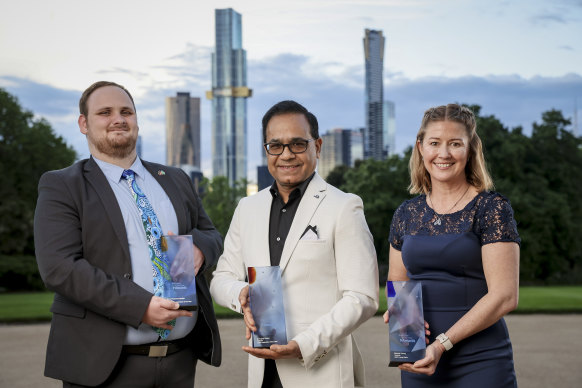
117	147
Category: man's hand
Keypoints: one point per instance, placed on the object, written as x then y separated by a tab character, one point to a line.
275	352
247	314
160	311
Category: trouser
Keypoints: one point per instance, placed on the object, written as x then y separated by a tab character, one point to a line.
271	376
176	370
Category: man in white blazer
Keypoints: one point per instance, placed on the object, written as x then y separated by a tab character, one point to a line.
319	237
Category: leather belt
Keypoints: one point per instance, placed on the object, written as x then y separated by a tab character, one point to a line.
156	349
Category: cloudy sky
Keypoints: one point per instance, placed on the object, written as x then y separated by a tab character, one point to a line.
516	59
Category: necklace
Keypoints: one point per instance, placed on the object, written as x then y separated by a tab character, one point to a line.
438	220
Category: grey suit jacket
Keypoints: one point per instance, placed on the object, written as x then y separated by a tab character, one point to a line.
83	256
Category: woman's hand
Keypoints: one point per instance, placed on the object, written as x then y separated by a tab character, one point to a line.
427	365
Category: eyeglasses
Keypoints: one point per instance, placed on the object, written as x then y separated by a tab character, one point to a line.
296	147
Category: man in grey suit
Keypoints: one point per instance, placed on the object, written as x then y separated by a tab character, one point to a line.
93	252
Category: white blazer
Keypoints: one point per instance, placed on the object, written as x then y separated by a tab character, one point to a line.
330	285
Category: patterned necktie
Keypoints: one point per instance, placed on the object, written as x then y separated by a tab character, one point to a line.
153	231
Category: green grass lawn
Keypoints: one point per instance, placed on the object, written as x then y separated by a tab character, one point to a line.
22	307
34	306
548	299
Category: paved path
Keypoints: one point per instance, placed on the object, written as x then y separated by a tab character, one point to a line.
546	352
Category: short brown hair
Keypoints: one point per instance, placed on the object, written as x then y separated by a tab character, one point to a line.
475	171
99	84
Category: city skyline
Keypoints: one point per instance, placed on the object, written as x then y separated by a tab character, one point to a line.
515	59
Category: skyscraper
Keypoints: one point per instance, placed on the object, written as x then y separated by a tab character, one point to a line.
139	147
183	130
229	93
336	150
389	135
356	146
374	57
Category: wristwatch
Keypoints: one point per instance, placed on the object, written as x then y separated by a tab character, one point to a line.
443	339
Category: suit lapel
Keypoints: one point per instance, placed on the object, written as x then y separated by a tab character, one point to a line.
172	191
309	203
98	181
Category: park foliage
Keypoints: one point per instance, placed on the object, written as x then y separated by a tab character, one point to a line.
28	148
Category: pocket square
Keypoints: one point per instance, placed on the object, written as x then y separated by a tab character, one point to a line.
310	233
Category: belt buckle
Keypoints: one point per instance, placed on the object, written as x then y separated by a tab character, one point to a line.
158	351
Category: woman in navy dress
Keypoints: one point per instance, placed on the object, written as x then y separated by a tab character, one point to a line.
460	240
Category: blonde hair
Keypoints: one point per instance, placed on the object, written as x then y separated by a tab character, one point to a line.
475	171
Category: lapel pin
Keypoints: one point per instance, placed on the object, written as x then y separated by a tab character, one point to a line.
316	196
161	172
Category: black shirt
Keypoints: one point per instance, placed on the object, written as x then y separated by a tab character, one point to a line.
281	218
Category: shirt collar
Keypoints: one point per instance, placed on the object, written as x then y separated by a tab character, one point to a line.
113	172
299	190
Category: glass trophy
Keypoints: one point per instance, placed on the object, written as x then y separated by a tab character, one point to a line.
406	321
266	302
181	288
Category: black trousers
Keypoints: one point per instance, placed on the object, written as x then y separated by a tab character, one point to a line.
271	376
174	371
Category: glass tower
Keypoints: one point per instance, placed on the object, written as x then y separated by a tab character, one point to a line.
389	128
229	93
183	131
374	57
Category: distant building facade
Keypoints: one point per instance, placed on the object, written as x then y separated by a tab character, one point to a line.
229	93
337	149
356	146
183	130
374	62
264	177
139	147
389	133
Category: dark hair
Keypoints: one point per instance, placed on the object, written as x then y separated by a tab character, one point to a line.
289	106
99	84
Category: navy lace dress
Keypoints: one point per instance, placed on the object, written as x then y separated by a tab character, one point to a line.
446	258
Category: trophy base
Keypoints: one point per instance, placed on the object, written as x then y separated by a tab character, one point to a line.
188	308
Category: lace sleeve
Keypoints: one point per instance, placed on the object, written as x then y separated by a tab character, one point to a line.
497	223
397	228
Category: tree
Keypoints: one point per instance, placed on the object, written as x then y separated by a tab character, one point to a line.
28	148
382	185
220	200
553	167
336	177
541	176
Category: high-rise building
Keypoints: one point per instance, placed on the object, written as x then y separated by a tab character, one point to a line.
374	58
264	177
139	146
389	135
183	130
356	146
229	93
335	150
